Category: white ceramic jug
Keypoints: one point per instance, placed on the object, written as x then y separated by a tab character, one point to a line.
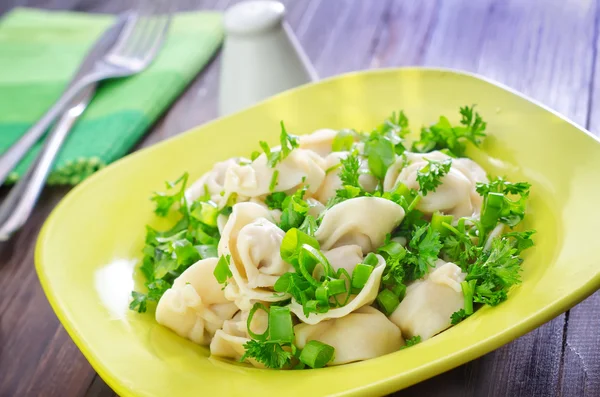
261	55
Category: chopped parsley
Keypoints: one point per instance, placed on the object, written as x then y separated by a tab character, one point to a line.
411	341
169	253
274	156
443	135
275	347
430	176
490	260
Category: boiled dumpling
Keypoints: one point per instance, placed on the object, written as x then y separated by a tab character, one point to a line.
455	196
229	341
332	181
428	305
346	257
211	182
365	297
195	307
253	242
361	335
363	221
258	245
300	168
320	141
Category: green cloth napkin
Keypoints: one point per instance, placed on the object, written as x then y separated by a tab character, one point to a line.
41	50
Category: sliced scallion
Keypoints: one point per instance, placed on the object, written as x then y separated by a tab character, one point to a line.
316	354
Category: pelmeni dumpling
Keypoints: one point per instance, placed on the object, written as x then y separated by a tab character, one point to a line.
429	303
455	196
362	221
229	341
346	256
365	297
253	242
363	334
320	141
195	307
258	246
300	168
211	182
332	181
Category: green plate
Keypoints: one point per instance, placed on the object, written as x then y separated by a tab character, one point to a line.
90	245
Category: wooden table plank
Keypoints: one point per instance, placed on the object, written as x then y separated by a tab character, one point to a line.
557	72
582	345
541	48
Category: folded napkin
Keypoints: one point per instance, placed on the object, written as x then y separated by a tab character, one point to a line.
41	50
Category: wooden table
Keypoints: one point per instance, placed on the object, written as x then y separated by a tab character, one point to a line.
546	49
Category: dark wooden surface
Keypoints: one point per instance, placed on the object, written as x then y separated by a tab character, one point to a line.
546	49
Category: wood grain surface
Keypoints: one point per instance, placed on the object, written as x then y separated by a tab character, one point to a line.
547	49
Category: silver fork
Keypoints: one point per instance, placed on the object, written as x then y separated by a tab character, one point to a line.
135	49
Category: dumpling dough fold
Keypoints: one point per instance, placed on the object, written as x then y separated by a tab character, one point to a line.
195	307
211	182
429	303
361	335
455	196
229	341
253	242
300	168
320	141
362	221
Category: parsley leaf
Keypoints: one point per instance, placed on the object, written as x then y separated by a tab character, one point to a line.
288	142
458	316
274	156
349	175
164	201
522	240
275	200
430	176
495	272
169	253
381	154
443	135
425	246
474	128
411	341
269	353
349	172
396	124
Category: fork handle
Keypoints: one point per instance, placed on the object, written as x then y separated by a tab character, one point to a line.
21	199
10	159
